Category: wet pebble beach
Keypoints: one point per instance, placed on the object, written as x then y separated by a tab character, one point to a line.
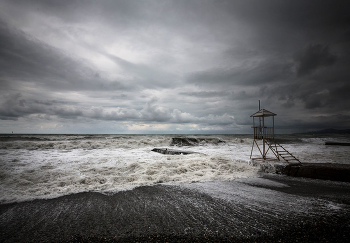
268	208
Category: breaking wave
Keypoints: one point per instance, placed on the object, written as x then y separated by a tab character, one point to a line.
108	173
49	166
69	142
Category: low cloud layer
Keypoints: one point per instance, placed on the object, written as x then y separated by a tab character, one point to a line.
172	67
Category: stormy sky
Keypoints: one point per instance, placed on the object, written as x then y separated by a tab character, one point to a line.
74	66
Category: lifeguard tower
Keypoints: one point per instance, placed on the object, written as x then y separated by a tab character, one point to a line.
266	135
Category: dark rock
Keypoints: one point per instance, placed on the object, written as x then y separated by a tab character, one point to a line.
172	151
184	141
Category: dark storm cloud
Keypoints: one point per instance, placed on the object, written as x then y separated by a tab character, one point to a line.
15	106
25	59
154	112
249	73
315	123
11	108
145	76
116	114
79	11
232	95
282	22
22	57
204	63
314	56
321	81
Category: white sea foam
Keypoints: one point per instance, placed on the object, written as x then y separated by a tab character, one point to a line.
53	166
47	166
319	153
85	142
322	140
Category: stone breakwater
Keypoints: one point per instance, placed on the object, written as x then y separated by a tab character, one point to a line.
323	171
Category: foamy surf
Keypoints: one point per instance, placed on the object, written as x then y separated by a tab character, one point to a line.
48	166
52	166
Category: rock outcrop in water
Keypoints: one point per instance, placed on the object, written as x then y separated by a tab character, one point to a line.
184	141
172	151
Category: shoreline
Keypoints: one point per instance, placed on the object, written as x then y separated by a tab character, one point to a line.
268	208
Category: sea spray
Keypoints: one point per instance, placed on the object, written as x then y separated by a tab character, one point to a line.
47	166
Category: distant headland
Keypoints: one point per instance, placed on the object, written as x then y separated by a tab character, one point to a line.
328	131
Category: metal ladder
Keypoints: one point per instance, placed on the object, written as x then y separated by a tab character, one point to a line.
280	151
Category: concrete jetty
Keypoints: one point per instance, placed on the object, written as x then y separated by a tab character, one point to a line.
172	151
323	171
337	143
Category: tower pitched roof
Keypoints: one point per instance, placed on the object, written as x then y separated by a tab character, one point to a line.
263	113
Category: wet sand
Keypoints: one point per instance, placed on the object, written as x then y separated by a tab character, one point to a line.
271	208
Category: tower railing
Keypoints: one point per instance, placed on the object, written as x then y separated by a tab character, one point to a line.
263	132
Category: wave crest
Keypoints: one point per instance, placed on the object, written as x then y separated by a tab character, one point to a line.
113	176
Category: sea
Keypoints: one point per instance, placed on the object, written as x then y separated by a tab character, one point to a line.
39	166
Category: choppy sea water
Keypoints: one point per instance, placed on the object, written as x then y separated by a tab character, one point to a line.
47	166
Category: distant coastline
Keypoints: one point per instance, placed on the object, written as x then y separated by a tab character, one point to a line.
328	131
